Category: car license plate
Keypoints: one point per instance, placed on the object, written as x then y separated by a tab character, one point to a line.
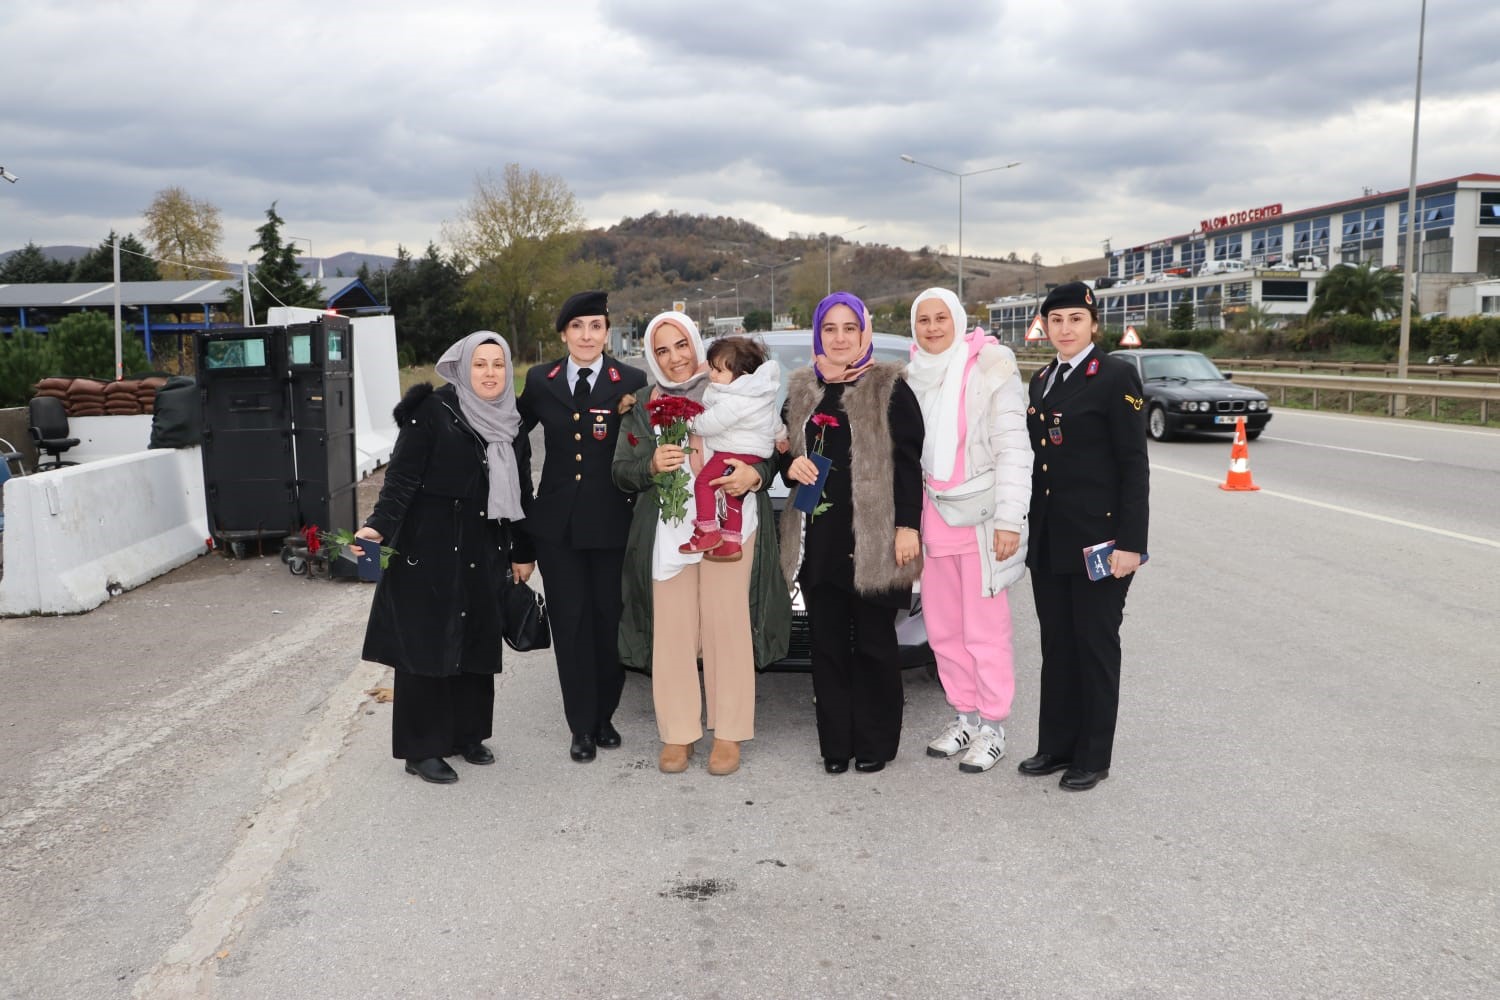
1225	420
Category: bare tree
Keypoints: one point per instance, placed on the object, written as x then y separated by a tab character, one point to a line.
185	233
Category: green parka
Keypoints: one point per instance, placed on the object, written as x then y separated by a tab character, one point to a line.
770	603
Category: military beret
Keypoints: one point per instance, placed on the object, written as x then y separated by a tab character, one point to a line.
1073	295
582	304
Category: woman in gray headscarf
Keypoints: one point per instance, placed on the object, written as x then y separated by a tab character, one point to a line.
455	494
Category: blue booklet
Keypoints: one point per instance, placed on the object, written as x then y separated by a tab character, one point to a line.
807	497
369	559
1096	559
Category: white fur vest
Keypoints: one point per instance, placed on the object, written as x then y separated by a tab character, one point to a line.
867	404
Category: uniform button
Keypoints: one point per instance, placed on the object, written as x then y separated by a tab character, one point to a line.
578	458
481	513
579	476
471	565
455	548
1047	492
463	614
577	437
1042	442
1044	466
575	417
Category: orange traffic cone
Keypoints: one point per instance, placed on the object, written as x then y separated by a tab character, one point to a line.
1239	462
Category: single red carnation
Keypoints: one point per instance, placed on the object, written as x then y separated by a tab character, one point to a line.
632	439
314	543
824	420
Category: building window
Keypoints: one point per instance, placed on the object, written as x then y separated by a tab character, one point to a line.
1354	226
1193	255
1489	304
1489	208
1437	256
1229	247
1375	223
1283	291
1114	266
1161	258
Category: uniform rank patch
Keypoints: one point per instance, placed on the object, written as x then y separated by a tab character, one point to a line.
1134	401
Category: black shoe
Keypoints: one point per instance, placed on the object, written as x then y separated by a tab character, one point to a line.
607	736
1078	780
834	765
582	749
869	766
433	769
475	753
1043	763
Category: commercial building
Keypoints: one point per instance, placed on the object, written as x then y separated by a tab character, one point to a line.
1272	258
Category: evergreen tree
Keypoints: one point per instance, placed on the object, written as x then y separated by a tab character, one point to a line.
29	266
277	277
99	264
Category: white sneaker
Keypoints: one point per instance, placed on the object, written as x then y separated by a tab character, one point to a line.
987	749
954	740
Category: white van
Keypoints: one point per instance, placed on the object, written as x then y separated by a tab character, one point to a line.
1222	267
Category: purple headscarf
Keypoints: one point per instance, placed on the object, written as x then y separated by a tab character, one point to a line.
854	303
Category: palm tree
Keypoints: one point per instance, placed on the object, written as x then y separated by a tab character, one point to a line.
1255	319
1360	290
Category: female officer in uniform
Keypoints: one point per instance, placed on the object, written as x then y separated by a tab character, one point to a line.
580	519
1089	485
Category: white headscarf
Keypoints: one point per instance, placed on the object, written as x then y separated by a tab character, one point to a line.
496	420
937	380
694	385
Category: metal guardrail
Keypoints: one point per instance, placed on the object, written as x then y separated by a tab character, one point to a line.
1486	394
1386	369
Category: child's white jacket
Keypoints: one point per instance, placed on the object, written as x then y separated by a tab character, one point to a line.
742	416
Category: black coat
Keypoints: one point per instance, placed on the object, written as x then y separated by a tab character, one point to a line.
578	504
1090	477
435	610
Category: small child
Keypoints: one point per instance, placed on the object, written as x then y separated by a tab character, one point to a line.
739	421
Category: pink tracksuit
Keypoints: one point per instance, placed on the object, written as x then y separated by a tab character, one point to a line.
970	634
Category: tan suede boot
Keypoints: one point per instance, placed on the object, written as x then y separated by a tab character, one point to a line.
674	757
724	758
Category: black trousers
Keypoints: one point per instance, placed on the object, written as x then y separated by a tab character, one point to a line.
583	605
1080	624
434	716
856	669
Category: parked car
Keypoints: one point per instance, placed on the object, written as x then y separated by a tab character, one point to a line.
792	350
1222	267
1186	392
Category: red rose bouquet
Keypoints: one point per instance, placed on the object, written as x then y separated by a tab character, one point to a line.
316	538
669	415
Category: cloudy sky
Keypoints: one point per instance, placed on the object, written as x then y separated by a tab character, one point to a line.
368	122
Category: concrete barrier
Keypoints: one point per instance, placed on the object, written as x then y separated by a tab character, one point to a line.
75	537
108	437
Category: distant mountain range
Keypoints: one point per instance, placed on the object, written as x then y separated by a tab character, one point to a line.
345	263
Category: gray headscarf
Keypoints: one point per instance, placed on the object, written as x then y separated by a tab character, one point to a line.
496	420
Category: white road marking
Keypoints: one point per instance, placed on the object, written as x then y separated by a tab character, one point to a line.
1459	536
1394	423
1357	451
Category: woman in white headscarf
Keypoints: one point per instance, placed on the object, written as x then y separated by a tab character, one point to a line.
737	614
453	502
976	470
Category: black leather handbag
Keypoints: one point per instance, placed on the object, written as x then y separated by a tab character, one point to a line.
525	626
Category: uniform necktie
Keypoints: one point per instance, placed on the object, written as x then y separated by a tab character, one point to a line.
581	388
1057	376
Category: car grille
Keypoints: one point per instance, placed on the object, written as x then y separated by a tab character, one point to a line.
1230	406
800	647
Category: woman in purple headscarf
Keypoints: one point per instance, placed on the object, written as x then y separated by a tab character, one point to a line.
860	550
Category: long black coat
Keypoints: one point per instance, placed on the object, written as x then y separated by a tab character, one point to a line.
436	608
578	504
1090	478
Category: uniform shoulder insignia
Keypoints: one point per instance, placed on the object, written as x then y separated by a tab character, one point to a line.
555	369
1093	367
1134	401
614	374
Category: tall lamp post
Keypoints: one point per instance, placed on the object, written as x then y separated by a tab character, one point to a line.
960	175
736	289
1403	349
772	268
304	239
828	254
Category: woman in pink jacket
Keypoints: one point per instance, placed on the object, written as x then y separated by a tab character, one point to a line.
976	470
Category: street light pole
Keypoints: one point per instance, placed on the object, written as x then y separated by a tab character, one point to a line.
1407	277
773	269
960	175
828	253
304	239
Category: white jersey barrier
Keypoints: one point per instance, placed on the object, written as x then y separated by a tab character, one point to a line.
76	536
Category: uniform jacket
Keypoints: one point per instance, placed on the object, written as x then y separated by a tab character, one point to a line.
742	417
1090	477
881	466
577	502
435	610
770	601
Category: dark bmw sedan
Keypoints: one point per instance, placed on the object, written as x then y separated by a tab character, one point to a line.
1186	392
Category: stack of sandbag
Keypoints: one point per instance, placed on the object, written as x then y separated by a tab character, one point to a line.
122	398
86	398
146	389
57	388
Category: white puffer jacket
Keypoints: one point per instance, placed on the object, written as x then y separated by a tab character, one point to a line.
741	416
995	408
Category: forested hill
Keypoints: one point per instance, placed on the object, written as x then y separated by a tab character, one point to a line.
659	258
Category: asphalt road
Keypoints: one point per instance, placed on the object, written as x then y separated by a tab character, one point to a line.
199	799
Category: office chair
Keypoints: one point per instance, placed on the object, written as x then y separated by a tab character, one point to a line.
49	429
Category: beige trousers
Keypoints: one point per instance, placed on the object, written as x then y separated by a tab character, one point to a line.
705	606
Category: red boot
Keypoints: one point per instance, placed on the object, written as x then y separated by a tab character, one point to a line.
706	537
729	549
